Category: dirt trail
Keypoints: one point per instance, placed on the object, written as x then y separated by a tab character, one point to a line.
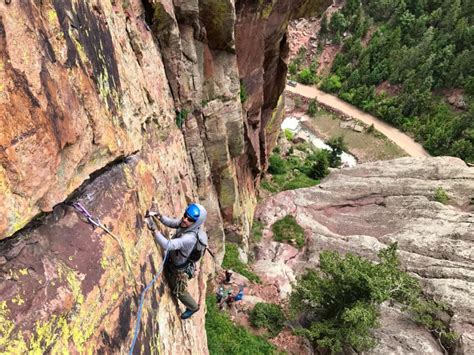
405	142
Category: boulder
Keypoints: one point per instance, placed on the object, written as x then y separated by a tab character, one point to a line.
364	209
300	137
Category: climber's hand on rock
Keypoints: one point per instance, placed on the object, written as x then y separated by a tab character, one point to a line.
152	213
150	224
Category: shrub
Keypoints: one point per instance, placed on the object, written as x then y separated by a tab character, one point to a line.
297	102
307	77
276	150
289	231
371	129
269	316
277	165
341	301
289	135
331	83
292	68
243	92
181	117
320	167
232	261
312	108
303	146
441	196
224	337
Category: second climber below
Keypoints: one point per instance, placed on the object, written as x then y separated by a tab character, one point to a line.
185	248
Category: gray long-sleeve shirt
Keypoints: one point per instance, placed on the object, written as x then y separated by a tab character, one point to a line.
182	243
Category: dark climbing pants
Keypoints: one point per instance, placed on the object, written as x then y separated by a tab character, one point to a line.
178	281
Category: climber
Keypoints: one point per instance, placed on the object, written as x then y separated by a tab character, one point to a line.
240	295
186	247
219	294
228	275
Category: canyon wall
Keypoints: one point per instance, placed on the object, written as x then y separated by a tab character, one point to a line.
112	104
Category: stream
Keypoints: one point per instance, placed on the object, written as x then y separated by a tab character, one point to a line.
293	124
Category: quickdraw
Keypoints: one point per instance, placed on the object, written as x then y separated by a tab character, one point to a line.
96	223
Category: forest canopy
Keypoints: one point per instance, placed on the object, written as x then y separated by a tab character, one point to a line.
424	52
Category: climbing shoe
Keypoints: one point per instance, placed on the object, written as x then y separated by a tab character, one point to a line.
188	313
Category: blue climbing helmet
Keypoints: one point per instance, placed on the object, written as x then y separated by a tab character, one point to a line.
192	212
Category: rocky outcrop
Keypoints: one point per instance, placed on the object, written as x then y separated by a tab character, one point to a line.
366	208
113	103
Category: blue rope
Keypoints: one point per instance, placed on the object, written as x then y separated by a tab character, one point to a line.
96	223
142	299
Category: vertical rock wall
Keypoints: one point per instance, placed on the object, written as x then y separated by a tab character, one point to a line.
113	103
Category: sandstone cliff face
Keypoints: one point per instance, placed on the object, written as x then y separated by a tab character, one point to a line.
363	210
90	92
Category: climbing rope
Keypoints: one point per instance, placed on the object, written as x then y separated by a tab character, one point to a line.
97	223
142	299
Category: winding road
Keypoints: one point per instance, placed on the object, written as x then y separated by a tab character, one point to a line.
405	142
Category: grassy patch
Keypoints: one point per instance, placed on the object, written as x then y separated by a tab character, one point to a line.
298	182
266	185
289	135
256	232
290	173
269	316
367	146
289	231
223	337
232	261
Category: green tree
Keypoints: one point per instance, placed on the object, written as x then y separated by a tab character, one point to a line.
341	302
383	9
307	76
269	316
331	83
351	7
312	108
338	23
319	165
337	145
452	10
324	30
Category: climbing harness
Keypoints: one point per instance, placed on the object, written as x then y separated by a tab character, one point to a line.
97	223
